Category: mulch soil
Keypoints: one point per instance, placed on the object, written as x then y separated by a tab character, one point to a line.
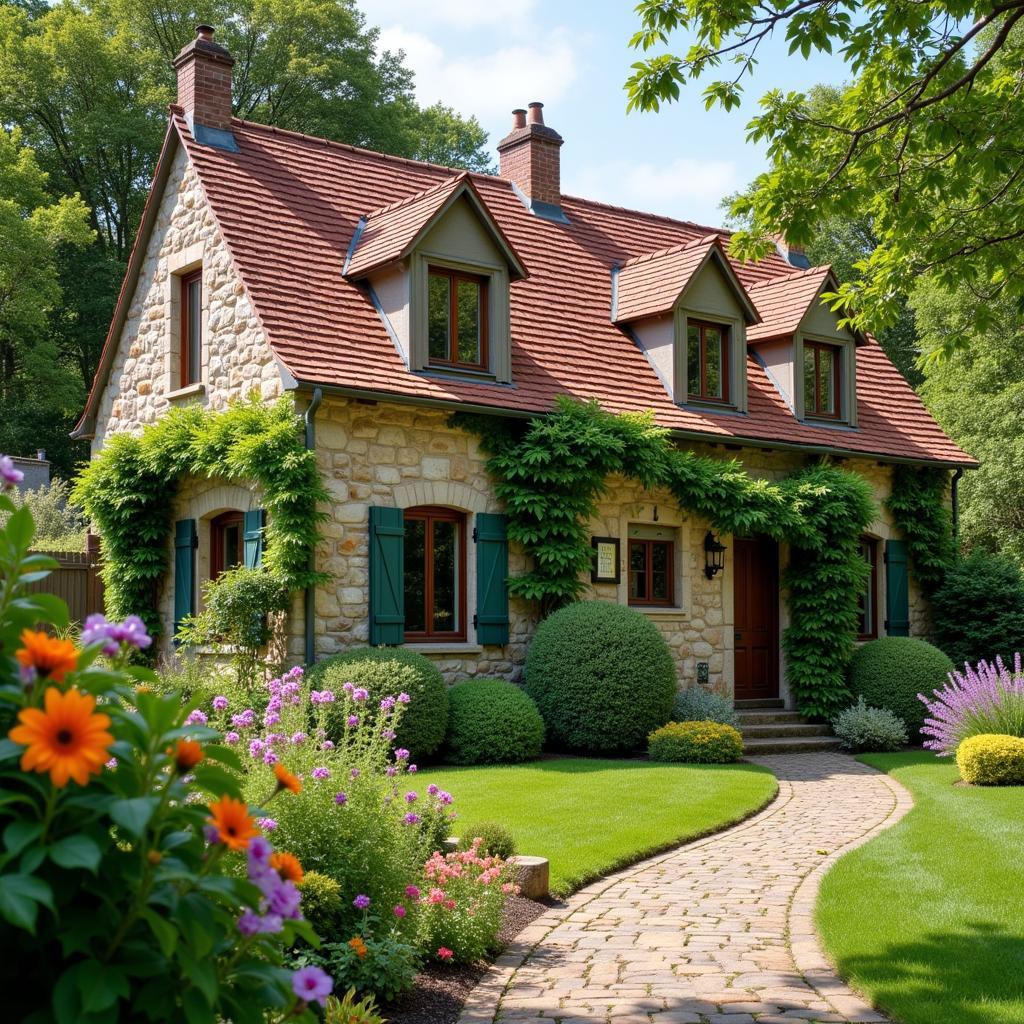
439	992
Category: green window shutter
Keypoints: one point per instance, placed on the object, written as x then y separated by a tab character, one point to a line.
491	618
185	542
387	570
897	589
252	538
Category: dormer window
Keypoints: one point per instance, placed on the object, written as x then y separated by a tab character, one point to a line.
822	380
707	362
457	319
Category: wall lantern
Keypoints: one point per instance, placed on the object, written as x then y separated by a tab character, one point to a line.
714	556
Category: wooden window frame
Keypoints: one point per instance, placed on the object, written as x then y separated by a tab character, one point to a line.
184	341
482	282
430	514
725	334
872	633
648	544
837	379
218	525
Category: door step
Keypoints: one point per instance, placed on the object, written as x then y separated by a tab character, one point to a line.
743	705
768	728
782	731
795	745
768	717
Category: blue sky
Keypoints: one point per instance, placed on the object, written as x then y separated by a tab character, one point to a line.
487	56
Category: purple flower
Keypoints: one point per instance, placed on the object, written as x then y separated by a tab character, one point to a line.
275	737
285	900
245	720
401	754
412	796
249	923
231	738
398	910
274	704
271	924
433	790
131	632
413	769
257	853
388	734
290	688
444	798
111	764
327	745
267	824
97	630
361	902
348	687
412	891
341	799
391	771
321	696
299	737
271	718
360	693
321	773
211	835
269	757
411	819
354	774
387	703
8	474
311	984
196	717
404	698
255	748
295	672
352	721
220	703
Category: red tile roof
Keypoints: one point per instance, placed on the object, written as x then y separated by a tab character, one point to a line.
288	206
784	303
650	285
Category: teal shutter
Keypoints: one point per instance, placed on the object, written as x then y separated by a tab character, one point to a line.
897	589
252	538
491	619
185	542
387	570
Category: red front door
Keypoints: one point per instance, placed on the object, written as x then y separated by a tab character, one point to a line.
756	614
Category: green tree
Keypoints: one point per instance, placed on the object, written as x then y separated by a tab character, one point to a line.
924	140
37	390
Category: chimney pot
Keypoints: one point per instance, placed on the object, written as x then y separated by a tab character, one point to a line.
204	80
204	32
536	115
519	118
529	157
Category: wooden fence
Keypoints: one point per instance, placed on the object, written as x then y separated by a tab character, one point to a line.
76	580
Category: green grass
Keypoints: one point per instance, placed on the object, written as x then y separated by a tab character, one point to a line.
928	918
589	816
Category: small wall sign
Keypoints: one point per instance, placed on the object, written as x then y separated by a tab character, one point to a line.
606	560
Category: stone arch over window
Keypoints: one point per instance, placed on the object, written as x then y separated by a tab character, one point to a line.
440	492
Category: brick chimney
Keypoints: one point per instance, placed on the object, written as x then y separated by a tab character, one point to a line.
529	156
204	80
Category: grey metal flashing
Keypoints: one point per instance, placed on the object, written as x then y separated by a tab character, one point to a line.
545	211
388	326
216	138
615	296
356	235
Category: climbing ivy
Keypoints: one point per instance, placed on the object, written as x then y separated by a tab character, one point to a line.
128	491
550	472
917	502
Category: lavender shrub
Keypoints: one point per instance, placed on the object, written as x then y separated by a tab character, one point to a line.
984	699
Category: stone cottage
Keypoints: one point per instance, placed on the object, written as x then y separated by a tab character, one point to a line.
385	293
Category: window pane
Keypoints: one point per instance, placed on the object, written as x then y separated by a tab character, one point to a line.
660	569
195	330
445	613
637	572
438	309
693	360
826	381
810	403
468	295
232	545
713	358
415	578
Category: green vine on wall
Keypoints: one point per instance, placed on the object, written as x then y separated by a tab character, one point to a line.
129	488
918	506
551	471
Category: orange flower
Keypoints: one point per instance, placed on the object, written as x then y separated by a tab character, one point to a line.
287	866
50	657
231	819
285	779
68	739
187	754
358	947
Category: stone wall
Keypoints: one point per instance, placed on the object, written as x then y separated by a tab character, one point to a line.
237	360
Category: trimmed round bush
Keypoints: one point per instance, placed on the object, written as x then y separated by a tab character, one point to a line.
699	705
602	676
491	721
889	673
497	840
861	728
991	760
695	743
321	902
978	612
388	671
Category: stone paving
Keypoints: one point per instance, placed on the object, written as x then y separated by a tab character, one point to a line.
716	932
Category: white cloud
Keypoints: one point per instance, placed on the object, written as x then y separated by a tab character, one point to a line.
488	85
513	15
684	187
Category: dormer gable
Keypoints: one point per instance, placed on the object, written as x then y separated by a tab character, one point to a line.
688	312
437	268
805	352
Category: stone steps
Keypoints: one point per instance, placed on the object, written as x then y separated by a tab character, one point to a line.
796	745
782	731
768	728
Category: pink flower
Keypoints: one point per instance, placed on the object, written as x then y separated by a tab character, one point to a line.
311	984
433	790
220	703
231	738
436	896
412	892
398	910
444	953
321	773
449	904
8	474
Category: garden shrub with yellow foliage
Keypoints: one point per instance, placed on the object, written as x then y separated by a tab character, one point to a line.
991	760
134	882
695	743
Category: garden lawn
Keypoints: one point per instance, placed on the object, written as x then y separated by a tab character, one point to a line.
927	919
589	816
